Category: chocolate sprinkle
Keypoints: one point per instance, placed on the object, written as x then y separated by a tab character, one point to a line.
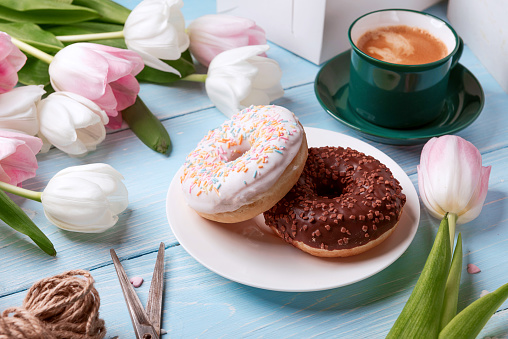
341	199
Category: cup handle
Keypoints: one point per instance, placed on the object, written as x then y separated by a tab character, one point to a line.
456	57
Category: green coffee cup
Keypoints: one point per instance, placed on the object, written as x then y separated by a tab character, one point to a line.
396	95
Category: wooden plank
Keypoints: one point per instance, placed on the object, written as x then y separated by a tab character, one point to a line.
199	303
148	175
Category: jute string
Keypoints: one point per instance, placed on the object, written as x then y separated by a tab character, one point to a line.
63	306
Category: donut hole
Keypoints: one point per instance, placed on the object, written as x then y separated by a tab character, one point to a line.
329	190
235	155
237	152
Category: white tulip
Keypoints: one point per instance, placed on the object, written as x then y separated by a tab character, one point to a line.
71	123
85	198
18	110
155	29
239	78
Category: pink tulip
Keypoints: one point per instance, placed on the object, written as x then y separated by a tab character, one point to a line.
17	156
102	74
11	61
216	33
451	178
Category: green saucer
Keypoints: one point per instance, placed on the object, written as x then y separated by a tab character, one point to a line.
463	105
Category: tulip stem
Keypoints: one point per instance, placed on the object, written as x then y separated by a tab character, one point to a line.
195	77
452	222
32	50
21	191
91	37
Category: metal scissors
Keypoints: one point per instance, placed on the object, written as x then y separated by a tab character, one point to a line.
146	323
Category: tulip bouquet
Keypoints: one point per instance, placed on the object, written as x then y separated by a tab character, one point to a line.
81	64
85	199
453	186
96	52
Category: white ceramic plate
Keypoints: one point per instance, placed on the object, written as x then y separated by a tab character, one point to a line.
254	256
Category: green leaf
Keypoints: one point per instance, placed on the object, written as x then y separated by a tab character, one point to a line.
422	313
451	295
14	216
469	322
34	72
33	35
28	5
84	28
108	10
184	65
49	89
45	12
147	127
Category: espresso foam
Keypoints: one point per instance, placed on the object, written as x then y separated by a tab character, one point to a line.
402	45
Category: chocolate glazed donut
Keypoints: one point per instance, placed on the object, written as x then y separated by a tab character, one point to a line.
343	204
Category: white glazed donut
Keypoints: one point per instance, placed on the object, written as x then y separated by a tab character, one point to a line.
246	165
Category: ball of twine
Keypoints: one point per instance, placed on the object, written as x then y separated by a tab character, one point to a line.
63	306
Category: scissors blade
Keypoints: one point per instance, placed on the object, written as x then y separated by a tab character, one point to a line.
154	305
142	326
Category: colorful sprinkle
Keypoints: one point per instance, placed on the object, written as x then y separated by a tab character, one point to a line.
237	145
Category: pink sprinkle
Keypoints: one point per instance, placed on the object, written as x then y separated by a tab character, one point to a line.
472	269
136	281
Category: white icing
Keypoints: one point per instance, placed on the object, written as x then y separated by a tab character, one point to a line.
212	181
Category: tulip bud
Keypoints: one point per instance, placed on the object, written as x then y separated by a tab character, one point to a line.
71	123
85	198
11	61
213	34
155	29
18	110
17	156
239	78
451	178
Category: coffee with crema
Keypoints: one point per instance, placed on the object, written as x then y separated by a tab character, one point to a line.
402	45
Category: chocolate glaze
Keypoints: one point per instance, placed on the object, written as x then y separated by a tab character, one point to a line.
342	200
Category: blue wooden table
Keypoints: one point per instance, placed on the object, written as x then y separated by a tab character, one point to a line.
200	303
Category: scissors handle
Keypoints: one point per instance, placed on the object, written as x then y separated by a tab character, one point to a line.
142	325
